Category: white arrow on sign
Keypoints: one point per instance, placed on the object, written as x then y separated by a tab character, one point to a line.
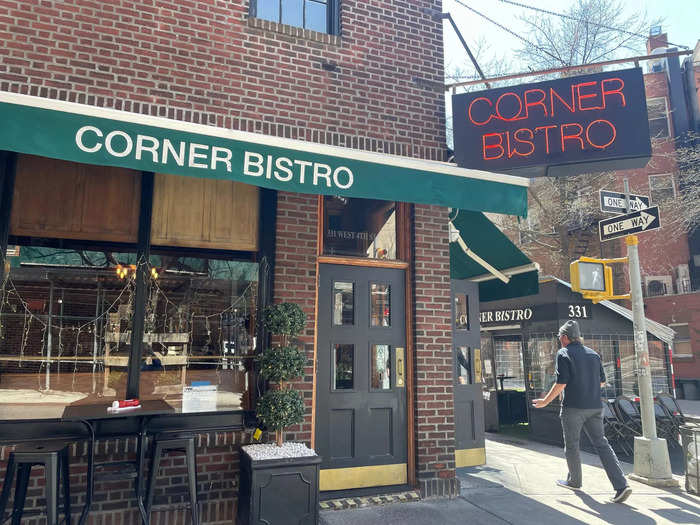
616	202
644	220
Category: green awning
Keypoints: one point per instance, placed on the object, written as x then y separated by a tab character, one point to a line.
101	136
489	244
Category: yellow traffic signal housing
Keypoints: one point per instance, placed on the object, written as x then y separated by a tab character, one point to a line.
593	278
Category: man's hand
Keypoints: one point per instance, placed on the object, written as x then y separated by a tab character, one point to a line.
539	403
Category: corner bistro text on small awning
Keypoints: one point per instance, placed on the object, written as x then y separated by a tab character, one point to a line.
100	136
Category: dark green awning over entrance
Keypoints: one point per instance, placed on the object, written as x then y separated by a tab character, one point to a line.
100	136
488	243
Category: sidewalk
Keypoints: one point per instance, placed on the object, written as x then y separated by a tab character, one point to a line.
516	486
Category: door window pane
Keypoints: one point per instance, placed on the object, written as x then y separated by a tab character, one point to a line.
464	361
461	312
359	227
380	303
343	366
380	378
343	304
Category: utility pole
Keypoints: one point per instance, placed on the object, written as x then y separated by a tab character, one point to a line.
651	461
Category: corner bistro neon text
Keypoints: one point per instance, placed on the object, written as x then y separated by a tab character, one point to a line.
538	103
117	143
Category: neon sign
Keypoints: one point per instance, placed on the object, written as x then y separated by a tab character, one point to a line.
555	128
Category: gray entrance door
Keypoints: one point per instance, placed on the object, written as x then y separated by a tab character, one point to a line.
361	424
468	373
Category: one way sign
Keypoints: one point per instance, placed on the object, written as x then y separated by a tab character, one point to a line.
614	202
642	220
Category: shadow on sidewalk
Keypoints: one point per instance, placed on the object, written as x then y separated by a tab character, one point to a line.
675	452
615	512
684	511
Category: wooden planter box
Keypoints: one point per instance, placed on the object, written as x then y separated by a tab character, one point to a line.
278	491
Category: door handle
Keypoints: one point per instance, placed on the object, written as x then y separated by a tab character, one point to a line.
400	368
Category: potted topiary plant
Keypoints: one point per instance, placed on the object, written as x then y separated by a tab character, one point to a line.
279	481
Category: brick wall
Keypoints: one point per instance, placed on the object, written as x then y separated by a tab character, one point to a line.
434	398
206	61
673	309
295	281
114	501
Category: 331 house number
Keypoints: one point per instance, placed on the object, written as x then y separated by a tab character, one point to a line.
578	311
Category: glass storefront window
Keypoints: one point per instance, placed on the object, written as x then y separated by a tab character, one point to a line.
509	363
359	227
541	357
199	333
56	307
380	304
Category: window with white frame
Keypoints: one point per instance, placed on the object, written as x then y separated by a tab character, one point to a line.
661	188
316	15
682	347
658	285
659	126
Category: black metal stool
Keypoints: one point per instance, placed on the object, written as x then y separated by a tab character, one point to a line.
54	456
182	441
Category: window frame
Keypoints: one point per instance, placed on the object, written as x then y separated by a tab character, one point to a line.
661	176
666	117
663	279
332	16
688	340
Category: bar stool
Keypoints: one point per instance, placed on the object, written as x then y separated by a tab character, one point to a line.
54	456
181	441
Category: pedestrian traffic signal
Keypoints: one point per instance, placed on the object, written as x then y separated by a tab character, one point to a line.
593	278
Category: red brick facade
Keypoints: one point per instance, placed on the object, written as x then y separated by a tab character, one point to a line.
295	281
114	503
208	62
435	425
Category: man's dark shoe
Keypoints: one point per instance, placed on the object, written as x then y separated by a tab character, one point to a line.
622	494
564	483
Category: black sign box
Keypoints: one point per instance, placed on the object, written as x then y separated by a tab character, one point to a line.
556	128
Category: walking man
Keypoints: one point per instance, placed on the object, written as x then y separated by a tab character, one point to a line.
580	376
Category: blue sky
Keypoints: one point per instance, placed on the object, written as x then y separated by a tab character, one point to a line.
681	24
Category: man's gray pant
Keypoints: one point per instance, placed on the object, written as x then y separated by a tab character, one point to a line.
590	419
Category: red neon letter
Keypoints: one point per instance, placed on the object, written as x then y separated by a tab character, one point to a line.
565	137
552	94
546	134
517	113
523	141
584	96
601	146
539	102
497	145
617	91
469	112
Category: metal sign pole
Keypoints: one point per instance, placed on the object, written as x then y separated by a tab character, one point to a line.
651	461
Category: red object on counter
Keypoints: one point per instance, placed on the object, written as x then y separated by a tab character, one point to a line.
128	403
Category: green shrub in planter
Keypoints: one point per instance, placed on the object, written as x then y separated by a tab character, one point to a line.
282	406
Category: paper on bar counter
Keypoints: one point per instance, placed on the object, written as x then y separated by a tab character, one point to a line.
199	398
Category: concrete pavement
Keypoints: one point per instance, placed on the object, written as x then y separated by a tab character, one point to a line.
517	486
